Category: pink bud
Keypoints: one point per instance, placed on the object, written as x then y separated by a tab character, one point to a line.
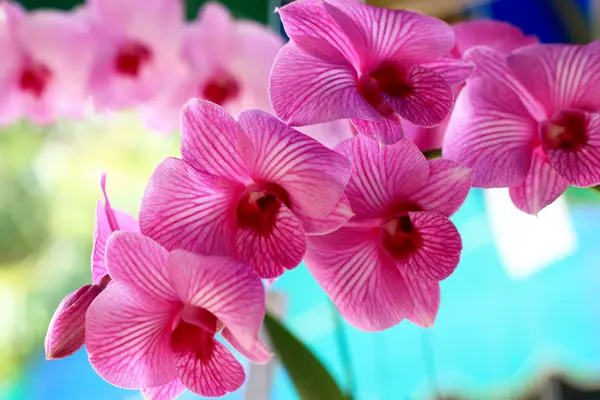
66	332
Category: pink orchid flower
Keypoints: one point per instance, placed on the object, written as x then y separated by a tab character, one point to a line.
252	189
375	66
66	331
499	36
530	123
138	55
386	262
228	63
46	61
154	327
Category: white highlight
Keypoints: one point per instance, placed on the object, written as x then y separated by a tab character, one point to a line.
526	243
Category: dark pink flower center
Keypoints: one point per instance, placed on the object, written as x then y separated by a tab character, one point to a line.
258	207
565	131
34	78
400	238
220	89
194	331
387	78
131	57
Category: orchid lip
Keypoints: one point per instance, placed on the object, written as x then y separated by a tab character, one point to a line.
258	206
566	130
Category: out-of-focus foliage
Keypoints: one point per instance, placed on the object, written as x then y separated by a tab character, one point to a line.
49	184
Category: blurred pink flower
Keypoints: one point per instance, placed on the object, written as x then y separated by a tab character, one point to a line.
498	36
154	327
66	331
252	189
530	123
330	134
228	63
138	49
373	65
46	61
385	263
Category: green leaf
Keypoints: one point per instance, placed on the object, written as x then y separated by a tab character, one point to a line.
309	375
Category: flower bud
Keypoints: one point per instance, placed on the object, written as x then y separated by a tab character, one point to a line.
66	332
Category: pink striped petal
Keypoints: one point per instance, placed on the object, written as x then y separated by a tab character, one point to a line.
259	354
453	70
382	176
559	76
108	220
336	219
439	252
225	287
541	186
580	167
446	188
313	175
365	285
209	140
391	34
170	391
386	131
491	132
185	209
425	295
138	261
310	88
282	249
212	375
309	19
430	99
500	36
66	331
128	338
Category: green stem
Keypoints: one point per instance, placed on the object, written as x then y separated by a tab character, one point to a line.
434	153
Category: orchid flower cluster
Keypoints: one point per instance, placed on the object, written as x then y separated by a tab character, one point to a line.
252	197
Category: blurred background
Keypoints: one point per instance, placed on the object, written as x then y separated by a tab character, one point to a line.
519	319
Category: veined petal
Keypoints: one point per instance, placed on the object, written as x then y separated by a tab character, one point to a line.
66	331
439	251
282	249
310	19
453	70
559	76
259	354
365	285
213	376
209	140
500	36
387	130
580	167
446	188
307	89
430	99
185	209
336	219
425	295
313	175
384	34
128	338
169	391
381	176
224	286
491	132
541	186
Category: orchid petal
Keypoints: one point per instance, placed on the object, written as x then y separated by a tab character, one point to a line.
382	176
425	295
209	139
426	138
313	175
491	132
336	219
185	209
500	36
446	188
169	391
541	186
453	70
259	354
227	288
386	131
128	338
